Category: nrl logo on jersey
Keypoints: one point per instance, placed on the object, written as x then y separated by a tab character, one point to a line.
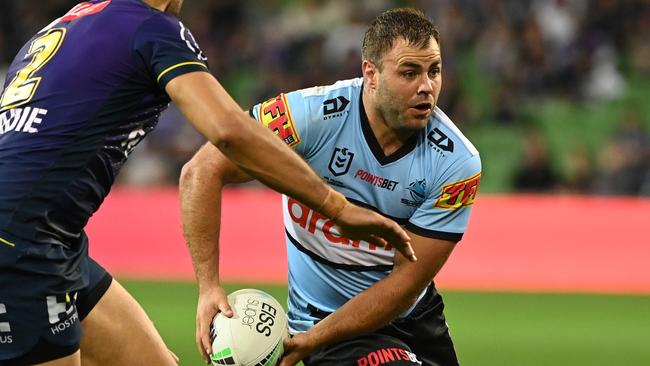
340	161
417	192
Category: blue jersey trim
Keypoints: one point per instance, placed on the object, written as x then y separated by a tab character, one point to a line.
399	220
455	237
346	267
373	144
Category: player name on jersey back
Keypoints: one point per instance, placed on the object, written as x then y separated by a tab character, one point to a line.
21	119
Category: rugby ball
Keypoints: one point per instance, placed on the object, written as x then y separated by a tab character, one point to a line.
255	333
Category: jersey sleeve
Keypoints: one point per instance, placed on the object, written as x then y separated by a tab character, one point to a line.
445	213
168	49
288	116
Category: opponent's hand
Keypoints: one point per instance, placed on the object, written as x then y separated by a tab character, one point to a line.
212	300
359	223
296	348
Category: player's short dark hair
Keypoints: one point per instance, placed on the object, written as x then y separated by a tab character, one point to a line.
407	23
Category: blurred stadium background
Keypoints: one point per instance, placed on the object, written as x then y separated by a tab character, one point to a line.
554	93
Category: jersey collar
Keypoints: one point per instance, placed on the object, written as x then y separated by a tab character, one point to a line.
373	144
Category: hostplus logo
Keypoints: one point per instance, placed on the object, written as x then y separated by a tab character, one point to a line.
62	312
4	327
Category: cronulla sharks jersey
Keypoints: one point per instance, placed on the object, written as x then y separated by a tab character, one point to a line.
428	186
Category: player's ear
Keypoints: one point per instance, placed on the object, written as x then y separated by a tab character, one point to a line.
370	74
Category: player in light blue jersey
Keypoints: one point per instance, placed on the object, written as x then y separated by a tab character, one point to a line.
381	141
68	121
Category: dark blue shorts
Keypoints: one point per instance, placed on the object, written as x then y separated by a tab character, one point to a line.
45	292
421	338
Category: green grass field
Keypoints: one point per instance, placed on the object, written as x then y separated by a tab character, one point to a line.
501	329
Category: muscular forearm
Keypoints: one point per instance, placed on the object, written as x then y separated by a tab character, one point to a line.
384	301
368	311
200	210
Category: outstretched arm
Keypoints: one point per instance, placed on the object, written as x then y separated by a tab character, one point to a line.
201	183
258	152
378	305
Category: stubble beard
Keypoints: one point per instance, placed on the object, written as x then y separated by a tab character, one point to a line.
389	108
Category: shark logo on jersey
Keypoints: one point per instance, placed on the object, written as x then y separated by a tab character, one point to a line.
417	191
341	161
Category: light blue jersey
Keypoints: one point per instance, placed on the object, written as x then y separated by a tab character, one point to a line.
428	186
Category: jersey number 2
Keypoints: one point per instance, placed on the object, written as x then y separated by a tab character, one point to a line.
23	86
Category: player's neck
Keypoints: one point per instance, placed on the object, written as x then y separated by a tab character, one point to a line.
389	140
157	4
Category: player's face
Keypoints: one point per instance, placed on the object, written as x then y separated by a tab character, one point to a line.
409	84
174	7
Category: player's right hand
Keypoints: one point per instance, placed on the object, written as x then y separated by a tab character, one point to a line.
212	300
358	223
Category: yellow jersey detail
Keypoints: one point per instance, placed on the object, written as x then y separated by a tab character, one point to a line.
177	66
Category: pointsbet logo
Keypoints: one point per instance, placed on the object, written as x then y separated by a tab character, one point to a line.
376	180
386	355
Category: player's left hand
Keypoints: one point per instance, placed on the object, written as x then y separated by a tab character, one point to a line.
296	348
212	300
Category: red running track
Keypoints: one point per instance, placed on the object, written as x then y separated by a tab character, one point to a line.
514	243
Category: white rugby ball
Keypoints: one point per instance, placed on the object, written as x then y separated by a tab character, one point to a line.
254	334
